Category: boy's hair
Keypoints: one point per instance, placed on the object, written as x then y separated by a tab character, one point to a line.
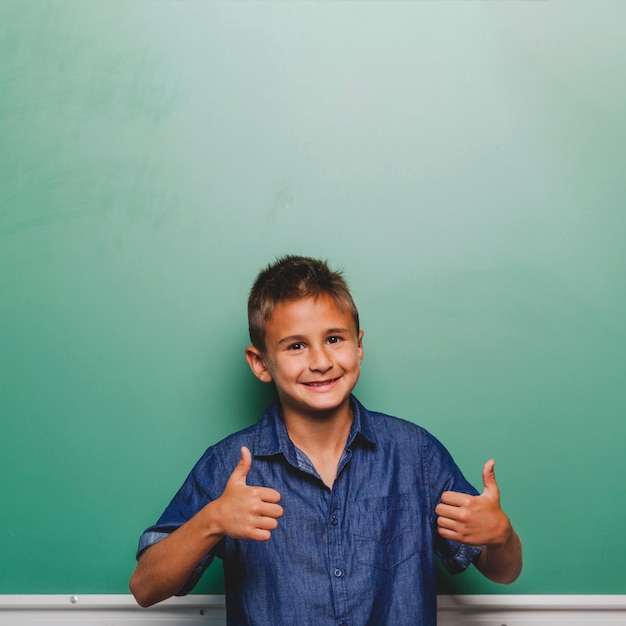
290	278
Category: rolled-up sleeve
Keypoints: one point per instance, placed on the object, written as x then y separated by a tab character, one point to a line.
445	475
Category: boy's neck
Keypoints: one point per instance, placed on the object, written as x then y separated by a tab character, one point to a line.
322	437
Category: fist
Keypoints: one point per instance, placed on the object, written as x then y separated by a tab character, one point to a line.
474	520
247	512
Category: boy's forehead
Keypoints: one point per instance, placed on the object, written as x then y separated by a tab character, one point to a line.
319	312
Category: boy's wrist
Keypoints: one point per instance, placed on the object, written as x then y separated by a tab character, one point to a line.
211	526
506	535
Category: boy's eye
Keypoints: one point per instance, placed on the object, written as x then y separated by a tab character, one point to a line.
296	346
334	339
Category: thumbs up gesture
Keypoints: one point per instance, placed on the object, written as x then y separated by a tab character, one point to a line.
475	520
247	512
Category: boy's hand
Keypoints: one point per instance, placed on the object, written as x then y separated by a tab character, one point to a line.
475	520
248	512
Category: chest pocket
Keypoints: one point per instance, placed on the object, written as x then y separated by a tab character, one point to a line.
385	532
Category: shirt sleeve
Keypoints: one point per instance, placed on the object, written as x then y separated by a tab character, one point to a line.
190	498
444	475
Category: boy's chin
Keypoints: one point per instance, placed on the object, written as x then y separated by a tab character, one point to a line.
322	409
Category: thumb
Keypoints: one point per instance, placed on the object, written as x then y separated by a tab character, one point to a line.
489	480
238	477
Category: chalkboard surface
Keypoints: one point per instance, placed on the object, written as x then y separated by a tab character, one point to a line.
464	163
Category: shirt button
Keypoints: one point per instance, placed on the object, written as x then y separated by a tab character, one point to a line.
334	521
337	572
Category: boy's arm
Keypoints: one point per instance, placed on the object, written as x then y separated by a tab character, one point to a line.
479	521
241	512
502	563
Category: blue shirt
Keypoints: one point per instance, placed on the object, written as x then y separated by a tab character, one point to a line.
359	553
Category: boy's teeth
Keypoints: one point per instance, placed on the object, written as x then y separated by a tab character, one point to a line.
320	383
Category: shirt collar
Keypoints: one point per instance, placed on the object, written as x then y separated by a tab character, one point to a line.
363	424
272	438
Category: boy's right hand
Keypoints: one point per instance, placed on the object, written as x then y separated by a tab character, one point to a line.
248	512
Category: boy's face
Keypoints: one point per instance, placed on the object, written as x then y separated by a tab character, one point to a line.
313	354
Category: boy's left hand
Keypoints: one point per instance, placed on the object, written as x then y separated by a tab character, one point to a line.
475	520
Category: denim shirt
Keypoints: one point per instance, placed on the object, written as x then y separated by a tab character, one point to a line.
359	553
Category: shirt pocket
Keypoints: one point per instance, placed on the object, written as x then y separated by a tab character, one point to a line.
384	531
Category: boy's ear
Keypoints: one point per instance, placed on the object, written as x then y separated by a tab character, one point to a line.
360	345
256	361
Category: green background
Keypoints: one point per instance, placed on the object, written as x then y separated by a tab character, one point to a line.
463	162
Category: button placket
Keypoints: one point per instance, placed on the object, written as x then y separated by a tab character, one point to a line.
335	550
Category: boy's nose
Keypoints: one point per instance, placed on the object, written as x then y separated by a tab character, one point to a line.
320	360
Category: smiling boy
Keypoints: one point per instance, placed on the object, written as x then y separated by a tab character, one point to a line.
333	513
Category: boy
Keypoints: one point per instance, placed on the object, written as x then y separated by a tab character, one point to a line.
323	512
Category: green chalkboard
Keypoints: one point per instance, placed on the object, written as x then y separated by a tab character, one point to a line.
463	162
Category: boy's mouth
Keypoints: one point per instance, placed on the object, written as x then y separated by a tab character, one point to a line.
321	383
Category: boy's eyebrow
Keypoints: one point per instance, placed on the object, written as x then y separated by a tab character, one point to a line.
296	338
290	339
337	331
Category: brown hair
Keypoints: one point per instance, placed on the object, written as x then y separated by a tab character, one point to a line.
290	278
